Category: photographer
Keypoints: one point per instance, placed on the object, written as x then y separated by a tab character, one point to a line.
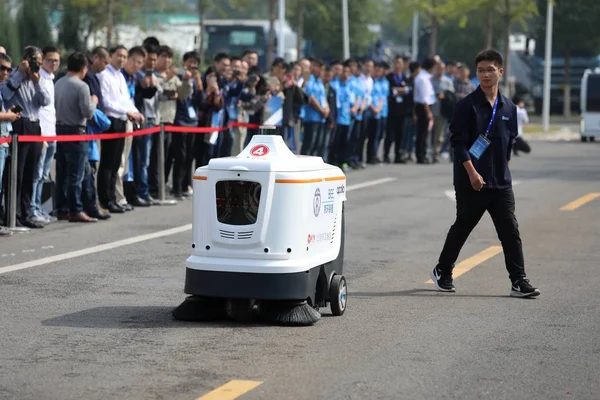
23	93
233	92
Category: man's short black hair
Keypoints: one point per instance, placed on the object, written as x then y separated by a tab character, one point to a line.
49	49
428	63
221	56
116	48
5	57
136	50
250	51
151	40
235	58
99	51
413	66
191	54
151	48
490	55
279	62
166	50
76	62
30	52
317	61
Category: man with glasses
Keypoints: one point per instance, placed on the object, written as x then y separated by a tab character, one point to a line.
483	128
6	119
23	88
50	64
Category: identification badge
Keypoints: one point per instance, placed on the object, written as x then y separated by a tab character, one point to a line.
399	99
192	112
479	147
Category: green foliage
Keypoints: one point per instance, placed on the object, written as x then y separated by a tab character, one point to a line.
9	37
575	26
323	25
33	25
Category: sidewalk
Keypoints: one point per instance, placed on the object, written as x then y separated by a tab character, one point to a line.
556	133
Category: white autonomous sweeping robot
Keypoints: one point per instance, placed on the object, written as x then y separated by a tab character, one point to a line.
267	237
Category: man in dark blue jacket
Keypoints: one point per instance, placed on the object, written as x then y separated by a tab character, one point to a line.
483	128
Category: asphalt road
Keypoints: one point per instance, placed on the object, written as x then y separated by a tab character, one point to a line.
98	325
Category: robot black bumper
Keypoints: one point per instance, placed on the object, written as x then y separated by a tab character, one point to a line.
243	285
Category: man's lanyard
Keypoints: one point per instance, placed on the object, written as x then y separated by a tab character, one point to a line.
487	131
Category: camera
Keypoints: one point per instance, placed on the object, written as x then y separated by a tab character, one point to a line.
34	67
235	72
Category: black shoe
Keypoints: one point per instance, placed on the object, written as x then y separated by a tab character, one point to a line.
522	288
139	202
114	208
99	215
442	281
29	223
127	207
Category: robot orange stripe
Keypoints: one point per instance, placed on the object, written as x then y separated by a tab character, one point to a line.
200	178
314	180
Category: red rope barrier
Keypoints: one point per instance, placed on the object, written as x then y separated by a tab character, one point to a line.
141	132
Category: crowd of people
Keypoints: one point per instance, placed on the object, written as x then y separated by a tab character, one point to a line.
352	113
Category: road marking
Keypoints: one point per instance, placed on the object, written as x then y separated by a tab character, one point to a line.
231	390
473	261
138	239
369	184
450	193
575	204
94	249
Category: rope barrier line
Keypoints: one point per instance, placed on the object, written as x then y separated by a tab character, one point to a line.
160	130
24	138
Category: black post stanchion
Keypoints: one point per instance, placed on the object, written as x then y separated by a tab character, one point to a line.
12	186
161	170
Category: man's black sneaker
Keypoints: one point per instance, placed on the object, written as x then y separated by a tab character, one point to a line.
522	288
442	281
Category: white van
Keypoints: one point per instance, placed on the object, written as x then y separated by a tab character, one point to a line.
590	105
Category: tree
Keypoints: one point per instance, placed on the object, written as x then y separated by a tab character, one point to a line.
9	34
575	30
435	13
324	18
514	12
33	25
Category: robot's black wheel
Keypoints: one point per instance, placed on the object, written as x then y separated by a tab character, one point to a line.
584	139
338	295
592	138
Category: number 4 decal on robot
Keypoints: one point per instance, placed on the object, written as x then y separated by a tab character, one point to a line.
259	150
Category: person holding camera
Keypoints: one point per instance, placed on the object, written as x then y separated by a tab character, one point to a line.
23	94
7	117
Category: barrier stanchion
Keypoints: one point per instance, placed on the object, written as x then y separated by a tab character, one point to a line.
162	201
12	187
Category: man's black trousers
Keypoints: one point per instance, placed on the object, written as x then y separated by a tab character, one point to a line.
470	207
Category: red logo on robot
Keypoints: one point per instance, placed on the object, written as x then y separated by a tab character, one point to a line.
260	150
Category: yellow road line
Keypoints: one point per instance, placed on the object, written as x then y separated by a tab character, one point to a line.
231	390
575	204
473	261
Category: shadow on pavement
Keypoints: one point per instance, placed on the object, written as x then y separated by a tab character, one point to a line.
423	293
132	317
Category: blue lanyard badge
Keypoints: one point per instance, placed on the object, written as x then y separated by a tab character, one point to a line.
482	142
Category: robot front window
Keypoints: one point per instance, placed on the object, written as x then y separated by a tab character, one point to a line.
237	202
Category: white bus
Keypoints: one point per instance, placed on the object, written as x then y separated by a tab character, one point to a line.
590	105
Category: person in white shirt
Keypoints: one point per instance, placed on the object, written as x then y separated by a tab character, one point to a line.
119	108
522	118
424	98
47	114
